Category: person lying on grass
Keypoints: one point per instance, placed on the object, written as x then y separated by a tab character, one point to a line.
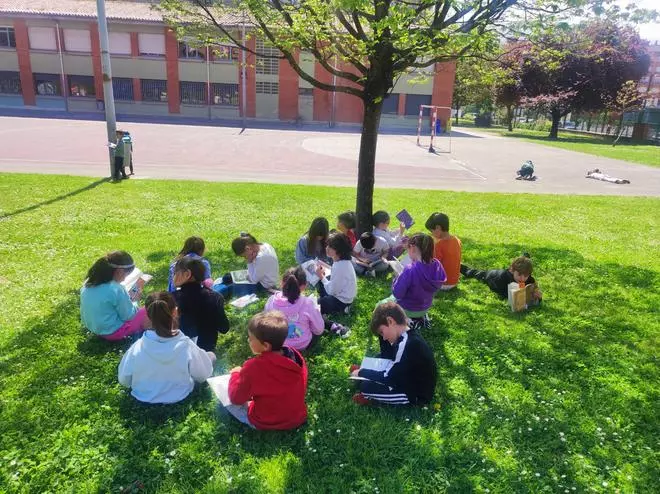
498	280
410	373
268	391
163	365
201	310
106	308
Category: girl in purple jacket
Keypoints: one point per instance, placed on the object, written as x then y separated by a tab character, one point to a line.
414	288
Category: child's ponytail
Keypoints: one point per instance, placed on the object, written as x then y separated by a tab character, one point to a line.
103	270
194	245
292	280
160	309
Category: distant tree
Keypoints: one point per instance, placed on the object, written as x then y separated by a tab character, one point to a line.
508	86
627	99
474	80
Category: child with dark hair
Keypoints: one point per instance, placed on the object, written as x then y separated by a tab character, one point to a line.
201	310
395	238
312	244
346	225
411	372
447	248
498	280
337	292
106	309
303	314
193	247
370	255
163	365
268	391
414	288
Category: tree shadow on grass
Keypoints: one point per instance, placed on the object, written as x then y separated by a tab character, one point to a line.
581	357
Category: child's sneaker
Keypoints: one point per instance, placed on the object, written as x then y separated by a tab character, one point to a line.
340	330
416	323
371	273
360	399
347	310
427	322
352	368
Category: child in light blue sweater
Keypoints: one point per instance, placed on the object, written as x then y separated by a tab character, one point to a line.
106	309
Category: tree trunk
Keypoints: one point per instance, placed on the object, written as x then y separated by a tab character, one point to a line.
554	130
367	165
456	116
509	117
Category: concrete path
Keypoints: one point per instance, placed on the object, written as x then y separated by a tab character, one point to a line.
477	162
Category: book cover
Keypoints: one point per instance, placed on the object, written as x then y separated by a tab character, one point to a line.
404	217
372	363
310	270
220	387
240	276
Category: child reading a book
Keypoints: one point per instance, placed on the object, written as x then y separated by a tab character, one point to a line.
498	280
369	255
193	247
337	292
447	248
346	225
106	309
394	238
312	244
201	310
414	288
408	372
268	391
303	313
163	365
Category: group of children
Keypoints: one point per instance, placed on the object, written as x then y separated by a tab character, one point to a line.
181	325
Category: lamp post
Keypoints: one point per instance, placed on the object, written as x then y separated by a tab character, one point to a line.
108	96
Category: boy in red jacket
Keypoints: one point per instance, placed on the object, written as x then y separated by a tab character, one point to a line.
268	392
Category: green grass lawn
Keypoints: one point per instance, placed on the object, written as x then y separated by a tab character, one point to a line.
646	154
563	398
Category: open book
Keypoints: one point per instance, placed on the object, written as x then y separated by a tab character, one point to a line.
397	265
404	217
244	301
369	265
310	270
372	363
220	387
520	298
240	276
130	282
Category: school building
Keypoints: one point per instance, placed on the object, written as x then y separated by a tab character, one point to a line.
50	59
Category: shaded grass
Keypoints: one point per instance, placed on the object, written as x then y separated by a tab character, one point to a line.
562	397
646	154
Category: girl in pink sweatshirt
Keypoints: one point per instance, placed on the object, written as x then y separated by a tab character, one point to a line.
302	312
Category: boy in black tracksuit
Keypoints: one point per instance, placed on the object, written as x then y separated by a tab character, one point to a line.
498	279
201	310
411	376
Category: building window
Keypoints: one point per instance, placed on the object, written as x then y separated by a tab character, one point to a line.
120	43
188	52
153	90
82	86
267	87
122	88
265	64
391	104
77	40
42	38
48	84
224	94
10	83
151	45
225	53
193	93
7	37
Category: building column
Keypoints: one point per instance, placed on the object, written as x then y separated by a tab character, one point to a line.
96	59
288	90
443	89
135	53
24	63
401	107
251	79
322	98
172	63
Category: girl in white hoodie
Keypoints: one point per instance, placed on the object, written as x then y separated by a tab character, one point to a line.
163	365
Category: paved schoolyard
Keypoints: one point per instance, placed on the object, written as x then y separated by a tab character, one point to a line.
477	162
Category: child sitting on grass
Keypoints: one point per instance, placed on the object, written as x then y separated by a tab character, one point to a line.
163	365
303	314
369	255
346	225
447	248
410	374
337	292
312	244
193	247
201	310
498	280
414	288
106	309
268	391
394	238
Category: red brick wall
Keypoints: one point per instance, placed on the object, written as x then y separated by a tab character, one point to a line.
288	90
251	79
96	59
322	99
24	63
401	108
443	89
172	67
135	53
